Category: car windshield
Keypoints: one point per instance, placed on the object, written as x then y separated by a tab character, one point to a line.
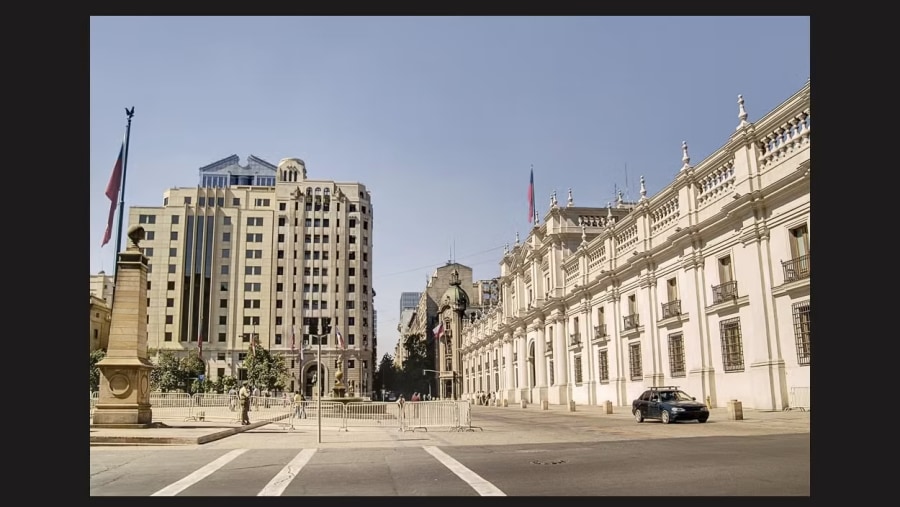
674	396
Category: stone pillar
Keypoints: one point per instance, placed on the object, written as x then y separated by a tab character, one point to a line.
125	371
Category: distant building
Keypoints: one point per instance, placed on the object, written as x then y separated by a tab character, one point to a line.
99	321
102	287
409	300
262	252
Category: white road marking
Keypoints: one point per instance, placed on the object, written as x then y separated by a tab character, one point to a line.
276	486
483	487
200	474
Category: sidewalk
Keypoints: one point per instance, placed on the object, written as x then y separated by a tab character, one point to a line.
588	423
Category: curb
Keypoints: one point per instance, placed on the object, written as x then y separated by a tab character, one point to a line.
203	439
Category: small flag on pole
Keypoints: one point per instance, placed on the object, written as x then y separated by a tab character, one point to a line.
340	338
531	197
438	330
112	193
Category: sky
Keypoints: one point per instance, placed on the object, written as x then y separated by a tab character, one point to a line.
442	118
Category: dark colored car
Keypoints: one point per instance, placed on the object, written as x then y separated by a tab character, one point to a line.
668	404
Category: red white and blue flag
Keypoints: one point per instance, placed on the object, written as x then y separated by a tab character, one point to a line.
340	338
438	330
531	197
112	193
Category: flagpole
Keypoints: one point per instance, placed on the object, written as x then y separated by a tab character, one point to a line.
129	113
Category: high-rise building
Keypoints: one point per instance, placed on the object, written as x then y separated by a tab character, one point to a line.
409	300
261	252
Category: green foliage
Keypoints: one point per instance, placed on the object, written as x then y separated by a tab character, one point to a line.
228	382
266	370
179	374
385	374
96	357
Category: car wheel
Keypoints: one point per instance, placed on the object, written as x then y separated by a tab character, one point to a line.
702	419
664	415
638	416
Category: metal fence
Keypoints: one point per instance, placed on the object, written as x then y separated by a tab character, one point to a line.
799	399
409	416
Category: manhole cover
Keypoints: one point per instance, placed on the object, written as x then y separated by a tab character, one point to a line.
552	462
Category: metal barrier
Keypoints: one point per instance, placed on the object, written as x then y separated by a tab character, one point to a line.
429	414
213	407
171	406
332	414
464	409
799	399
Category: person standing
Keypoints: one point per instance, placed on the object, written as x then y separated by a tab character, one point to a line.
300	407
244	396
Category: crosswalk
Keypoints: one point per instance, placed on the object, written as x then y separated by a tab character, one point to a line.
410	471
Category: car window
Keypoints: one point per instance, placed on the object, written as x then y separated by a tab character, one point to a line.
682	396
645	396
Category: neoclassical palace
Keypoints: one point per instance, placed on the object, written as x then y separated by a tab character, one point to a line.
704	285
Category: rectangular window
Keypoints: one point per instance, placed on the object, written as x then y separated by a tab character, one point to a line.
226	220
732	346
725	274
634	361
226	237
676	355
672	289
168	336
170	285
173	235
799	241
801	331
223	320
603	363
578	369
226	253
224	269
223	303
222	339
176	218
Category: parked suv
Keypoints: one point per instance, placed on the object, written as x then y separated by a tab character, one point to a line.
668	404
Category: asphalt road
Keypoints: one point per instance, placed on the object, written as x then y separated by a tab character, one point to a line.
768	465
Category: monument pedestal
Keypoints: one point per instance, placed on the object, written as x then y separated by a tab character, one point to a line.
124	400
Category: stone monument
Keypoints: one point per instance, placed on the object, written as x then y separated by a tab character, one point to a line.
124	400
338	390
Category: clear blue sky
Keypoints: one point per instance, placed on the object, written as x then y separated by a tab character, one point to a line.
440	117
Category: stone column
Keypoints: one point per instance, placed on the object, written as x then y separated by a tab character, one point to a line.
125	371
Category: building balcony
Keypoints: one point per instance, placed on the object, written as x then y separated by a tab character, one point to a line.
671	309
724	292
630	322
796	269
575	338
600	332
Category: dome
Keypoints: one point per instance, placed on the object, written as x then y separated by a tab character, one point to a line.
455	297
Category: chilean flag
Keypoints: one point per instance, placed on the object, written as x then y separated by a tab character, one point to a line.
112	193
438	330
531	197
340	338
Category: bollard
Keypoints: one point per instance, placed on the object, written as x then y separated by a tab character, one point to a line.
571	405
735	410
545	405
524	404
505	402
607	406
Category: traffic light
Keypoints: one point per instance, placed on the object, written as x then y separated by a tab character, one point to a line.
326	325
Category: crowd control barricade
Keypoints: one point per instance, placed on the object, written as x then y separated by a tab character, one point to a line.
171	406
372	414
464	410
94	397
214	407
799	399
429	414
332	415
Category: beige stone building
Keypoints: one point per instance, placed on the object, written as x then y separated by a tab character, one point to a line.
99	322
262	251
467	298
704	285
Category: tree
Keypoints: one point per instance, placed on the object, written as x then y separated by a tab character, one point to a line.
166	376
96	357
385	375
266	370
